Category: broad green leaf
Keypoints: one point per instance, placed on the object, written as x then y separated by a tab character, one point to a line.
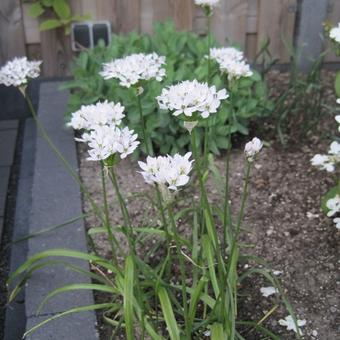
50	24
36	10
62	9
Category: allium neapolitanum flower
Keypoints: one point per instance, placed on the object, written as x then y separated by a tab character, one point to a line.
334	33
134	68
288	322
333	204
105	141
89	117
328	162
231	61
172	171
191	99
18	71
252	148
207	3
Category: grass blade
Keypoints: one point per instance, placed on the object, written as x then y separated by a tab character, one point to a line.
168	314
128	297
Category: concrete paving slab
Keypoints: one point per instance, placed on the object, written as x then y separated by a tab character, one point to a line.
9	124
15	321
7	146
55	199
63	328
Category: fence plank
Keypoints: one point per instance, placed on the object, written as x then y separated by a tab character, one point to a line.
276	19
161	10
56	53
230	22
333	17
12	40
129	15
183	14
146	16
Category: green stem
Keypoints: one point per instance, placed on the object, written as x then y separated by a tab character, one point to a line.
207	128
147	142
68	167
113	242
125	213
182	270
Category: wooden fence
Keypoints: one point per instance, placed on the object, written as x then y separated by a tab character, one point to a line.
247	22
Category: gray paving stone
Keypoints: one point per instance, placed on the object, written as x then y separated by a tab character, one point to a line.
15	321
4	178
70	327
7	146
9	124
55	199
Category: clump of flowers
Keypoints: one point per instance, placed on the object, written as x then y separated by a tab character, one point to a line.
105	141
252	148
172	171
191	99
18	71
135	68
231	61
88	117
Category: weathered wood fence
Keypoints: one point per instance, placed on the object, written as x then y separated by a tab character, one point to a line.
247	22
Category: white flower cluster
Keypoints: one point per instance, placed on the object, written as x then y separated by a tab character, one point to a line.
91	116
231	61
190	97
328	162
334	33
134	68
18	71
105	141
167	170
207	3
252	148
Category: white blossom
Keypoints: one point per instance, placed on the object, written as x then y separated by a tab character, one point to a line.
252	148
231	61
323	162
333	204
337	222
207	3
134	68
105	141
334	148
338	101
334	33
191	98
267	291
222	54
18	71
172	171
89	117
288	322
337	118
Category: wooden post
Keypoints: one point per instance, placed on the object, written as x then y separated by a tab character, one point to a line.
310	31
229	22
56	53
129	16
276	21
12	39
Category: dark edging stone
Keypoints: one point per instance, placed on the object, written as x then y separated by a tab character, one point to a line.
55	198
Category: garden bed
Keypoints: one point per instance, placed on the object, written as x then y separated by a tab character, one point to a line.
284	223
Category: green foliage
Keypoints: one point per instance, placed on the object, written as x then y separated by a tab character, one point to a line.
332	192
299	107
185	60
60	11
